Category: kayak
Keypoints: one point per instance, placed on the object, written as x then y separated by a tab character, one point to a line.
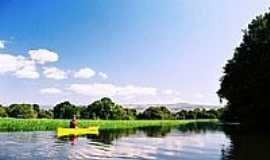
76	131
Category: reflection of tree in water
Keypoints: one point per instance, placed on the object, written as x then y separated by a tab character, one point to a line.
107	136
156	131
201	127
246	144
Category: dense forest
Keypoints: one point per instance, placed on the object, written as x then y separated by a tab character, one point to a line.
245	84
104	108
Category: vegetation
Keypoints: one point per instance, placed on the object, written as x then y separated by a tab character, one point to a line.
156	113
200	114
65	110
15	124
22	111
245	84
104	109
3	112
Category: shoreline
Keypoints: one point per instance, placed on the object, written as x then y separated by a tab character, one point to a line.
13	124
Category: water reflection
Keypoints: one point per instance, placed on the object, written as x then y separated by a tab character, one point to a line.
211	142
247	144
108	136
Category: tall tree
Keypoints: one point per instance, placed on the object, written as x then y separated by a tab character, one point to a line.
65	110
246	81
159	112
22	111
106	109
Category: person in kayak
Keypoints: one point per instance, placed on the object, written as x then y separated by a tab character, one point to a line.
74	122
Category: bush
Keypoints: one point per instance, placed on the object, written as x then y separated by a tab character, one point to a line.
22	111
156	113
3	112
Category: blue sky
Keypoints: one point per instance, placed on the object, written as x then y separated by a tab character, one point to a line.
153	51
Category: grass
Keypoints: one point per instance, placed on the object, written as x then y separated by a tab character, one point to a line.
11	124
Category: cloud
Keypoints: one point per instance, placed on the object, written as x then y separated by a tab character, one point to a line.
2	44
84	73
170	92
42	56
27	72
99	89
9	63
54	73
19	66
50	91
103	75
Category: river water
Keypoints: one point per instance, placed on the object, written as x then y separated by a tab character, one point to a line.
177	143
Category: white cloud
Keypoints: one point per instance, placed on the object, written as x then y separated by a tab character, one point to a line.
54	73
2	44
27	72
9	63
50	91
85	73
103	75
20	66
170	92
98	89
42	56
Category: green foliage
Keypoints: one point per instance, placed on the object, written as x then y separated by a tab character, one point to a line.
199	114
131	114
48	114
12	124
36	107
84	114
106	109
22	111
65	110
245	84
3	112
157	113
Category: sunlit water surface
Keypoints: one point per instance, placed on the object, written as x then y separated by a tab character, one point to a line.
153	143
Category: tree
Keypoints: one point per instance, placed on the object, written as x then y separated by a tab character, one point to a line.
45	114
246	81
22	111
84	114
181	114
36	107
106	109
3	112
65	110
131	113
156	113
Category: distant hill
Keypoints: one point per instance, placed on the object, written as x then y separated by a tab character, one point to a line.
173	107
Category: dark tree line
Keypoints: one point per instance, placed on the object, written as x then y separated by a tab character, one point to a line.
104	108
245	84
25	111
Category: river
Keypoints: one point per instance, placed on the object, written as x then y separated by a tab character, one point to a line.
172	143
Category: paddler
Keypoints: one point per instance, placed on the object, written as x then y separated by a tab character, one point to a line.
74	122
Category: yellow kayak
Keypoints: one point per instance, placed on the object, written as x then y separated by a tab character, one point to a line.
76	131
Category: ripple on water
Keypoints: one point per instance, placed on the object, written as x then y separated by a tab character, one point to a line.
175	145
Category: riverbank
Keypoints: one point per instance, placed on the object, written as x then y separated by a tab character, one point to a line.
12	124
